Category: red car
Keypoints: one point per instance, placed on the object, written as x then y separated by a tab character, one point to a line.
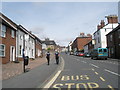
81	54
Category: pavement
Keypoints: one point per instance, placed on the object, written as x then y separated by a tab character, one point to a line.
13	69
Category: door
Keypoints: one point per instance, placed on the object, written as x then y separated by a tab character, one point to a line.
12	53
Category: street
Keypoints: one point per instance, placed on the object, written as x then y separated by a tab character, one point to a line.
82	72
72	72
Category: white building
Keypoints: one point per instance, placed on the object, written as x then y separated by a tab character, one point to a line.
103	30
70	47
24	40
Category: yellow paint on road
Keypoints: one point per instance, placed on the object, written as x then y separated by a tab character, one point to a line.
83	84
92	85
110	87
65	78
96	73
102	78
75	78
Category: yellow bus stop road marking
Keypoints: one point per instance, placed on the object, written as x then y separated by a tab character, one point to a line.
110	87
96	73
102	78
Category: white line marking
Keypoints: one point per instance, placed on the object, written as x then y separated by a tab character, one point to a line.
94	65
112	72
52	80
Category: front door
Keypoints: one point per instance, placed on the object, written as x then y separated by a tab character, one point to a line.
12	53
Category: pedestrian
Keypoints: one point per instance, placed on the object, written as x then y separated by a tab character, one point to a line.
57	57
48	57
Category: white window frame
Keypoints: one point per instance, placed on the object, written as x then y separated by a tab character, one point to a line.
3	31
2	50
12	33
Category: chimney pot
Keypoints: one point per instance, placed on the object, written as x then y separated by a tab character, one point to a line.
112	19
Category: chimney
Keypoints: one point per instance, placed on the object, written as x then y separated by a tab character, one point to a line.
89	35
82	34
102	23
98	27
112	19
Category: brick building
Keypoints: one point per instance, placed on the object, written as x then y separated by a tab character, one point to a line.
113	42
7	39
38	48
79	42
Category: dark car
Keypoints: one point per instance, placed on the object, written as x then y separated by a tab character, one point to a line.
87	54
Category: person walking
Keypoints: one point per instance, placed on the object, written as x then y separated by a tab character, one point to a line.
57	57
48	57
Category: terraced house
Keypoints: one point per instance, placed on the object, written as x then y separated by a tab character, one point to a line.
7	40
16	40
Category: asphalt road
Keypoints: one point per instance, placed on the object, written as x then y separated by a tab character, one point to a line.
86	73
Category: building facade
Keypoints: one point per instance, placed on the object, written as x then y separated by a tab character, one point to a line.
7	40
113	43
38	48
79	42
25	41
103	30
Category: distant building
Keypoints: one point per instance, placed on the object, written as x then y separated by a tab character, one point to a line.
103	30
79	42
70	47
8	31
89	47
113	43
50	44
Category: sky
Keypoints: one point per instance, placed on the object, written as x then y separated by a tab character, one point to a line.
59	21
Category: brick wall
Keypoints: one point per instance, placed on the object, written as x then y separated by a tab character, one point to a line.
8	41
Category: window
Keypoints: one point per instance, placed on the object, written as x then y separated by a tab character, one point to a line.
20	50
105	50
3	31
100	50
2	50
12	33
98	40
111	37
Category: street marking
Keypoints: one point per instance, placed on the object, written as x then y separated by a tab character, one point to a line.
79	84
102	78
112	72
65	78
110	87
93	84
94	65
96	73
83	61
52	80
93	69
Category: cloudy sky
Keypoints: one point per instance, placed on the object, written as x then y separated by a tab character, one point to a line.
59	21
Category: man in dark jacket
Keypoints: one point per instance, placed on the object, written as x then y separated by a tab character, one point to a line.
48	57
57	57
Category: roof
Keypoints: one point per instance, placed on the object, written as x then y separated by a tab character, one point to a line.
7	21
115	29
50	42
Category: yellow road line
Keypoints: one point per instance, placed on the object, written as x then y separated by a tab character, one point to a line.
102	78
96	73
110	87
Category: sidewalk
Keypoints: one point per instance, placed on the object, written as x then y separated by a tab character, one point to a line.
33	79
12	69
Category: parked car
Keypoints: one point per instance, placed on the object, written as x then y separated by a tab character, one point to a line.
86	54
81	54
